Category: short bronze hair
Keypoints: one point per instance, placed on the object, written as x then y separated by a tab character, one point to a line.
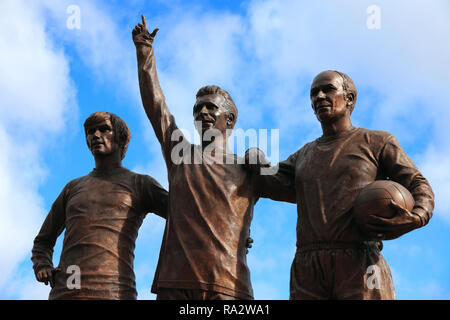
348	86
122	134
229	103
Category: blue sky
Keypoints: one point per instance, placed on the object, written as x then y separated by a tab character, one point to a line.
265	53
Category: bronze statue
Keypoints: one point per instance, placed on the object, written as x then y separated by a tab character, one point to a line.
101	213
211	196
334	259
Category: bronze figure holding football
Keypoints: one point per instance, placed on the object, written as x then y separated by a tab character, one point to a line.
340	222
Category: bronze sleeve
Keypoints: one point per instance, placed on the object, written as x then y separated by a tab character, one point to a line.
281	185
53	226
154	197
399	167
153	100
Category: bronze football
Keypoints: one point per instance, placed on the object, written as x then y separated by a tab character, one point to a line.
375	198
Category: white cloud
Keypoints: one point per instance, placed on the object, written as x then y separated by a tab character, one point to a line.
404	65
33	95
36	95
265	57
195	49
25	287
101	45
298	39
20	205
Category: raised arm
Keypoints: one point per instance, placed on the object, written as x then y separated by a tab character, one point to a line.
44	242
152	96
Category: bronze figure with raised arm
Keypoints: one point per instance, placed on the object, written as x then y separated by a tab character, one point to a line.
211	194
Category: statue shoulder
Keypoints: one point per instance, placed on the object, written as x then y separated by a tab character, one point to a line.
379	136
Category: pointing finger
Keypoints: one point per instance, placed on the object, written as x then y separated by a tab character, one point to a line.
143	21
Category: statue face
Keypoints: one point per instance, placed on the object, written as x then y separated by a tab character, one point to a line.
210	112
328	97
100	138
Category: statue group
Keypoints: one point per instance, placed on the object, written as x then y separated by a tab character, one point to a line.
208	208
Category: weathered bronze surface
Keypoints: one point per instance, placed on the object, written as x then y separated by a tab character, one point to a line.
211	196
209	208
101	214
334	259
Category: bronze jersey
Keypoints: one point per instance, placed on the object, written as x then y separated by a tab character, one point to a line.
210	207
210	211
325	176
101	214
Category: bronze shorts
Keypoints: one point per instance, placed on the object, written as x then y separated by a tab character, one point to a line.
340	271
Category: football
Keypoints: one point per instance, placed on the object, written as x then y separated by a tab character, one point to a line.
375	198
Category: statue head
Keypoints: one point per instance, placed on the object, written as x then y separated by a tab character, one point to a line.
103	130
333	94
214	109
